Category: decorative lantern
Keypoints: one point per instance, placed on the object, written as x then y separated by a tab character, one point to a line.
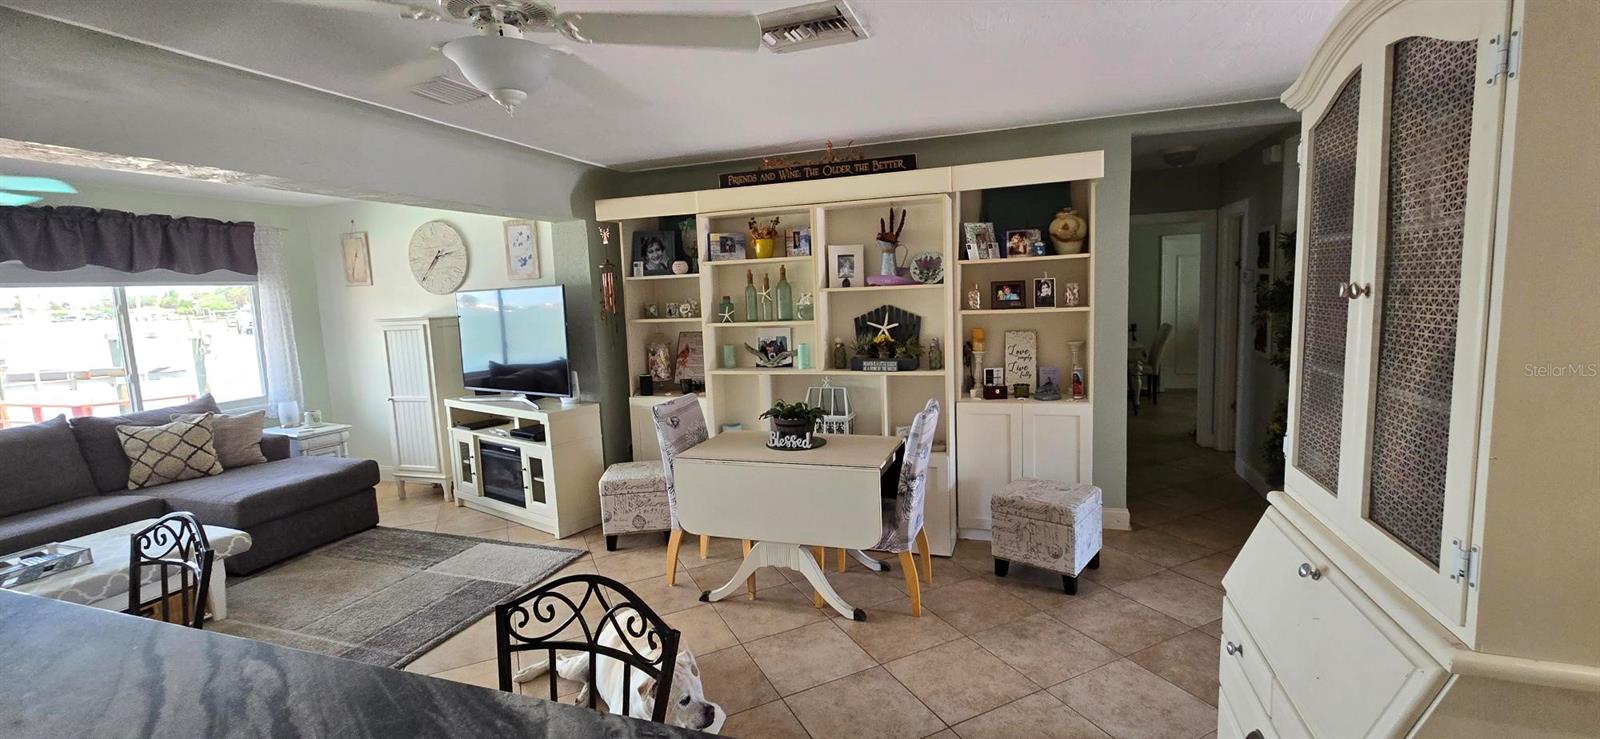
835	403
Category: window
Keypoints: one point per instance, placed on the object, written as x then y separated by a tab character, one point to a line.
105	351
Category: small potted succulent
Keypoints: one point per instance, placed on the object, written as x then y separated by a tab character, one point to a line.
793	424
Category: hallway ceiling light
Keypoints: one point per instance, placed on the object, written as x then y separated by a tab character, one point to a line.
1180	156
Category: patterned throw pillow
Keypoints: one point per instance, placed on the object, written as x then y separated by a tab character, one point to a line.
181	450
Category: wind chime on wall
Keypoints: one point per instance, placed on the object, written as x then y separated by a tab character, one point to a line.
608	278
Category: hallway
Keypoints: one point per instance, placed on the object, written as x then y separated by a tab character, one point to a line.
1170	477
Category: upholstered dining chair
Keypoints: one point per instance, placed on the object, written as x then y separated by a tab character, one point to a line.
680	426
903	515
574	614
174	553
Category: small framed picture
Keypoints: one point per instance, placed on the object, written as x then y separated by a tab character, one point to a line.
846	263
1004	294
994	376
357	259
979	240
725	246
773	348
800	242
656	250
651	310
1044	292
672	310
522	250
1019	243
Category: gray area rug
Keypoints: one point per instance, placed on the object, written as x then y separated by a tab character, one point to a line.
384	596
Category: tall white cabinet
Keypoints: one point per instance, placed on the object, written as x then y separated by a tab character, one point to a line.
1425	567
424	359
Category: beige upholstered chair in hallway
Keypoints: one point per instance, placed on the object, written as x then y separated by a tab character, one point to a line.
1147	373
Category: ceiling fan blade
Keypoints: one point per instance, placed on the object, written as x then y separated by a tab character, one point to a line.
735	32
417	10
591	81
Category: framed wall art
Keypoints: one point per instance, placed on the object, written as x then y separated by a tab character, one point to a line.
522	250
357	259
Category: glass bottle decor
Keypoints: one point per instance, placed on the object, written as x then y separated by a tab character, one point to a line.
1080	388
725	310
750	308
841	356
785	296
766	297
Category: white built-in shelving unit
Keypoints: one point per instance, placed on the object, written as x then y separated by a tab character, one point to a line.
846	211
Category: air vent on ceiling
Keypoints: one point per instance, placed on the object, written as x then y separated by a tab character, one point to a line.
810	26
447	91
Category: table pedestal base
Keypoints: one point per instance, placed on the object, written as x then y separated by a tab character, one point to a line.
794	557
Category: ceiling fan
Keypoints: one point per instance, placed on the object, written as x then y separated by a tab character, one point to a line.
506	64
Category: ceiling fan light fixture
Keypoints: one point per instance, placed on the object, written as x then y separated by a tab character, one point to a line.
1180	156
504	67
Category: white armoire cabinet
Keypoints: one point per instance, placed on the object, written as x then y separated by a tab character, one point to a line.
424	361
1428	568
998	441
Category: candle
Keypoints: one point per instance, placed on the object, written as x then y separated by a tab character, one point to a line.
977	339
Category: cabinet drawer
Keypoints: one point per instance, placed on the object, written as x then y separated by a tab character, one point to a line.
1247	717
1343	665
1247	655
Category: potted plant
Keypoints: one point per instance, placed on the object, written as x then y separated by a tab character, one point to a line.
792	424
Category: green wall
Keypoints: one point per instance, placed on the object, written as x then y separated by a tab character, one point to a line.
1110	218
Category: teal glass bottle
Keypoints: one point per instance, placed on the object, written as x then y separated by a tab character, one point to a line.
750	307
785	296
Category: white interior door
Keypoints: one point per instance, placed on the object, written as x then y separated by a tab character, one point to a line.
1180	306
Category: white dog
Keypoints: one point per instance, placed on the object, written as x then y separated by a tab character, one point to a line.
689	709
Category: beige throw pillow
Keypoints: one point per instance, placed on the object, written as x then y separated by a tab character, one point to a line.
237	438
181	450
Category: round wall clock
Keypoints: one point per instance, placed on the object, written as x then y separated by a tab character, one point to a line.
438	257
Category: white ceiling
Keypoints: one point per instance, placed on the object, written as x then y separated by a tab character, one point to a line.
930	68
173	183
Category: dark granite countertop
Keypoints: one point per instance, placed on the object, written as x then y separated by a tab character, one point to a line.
70	670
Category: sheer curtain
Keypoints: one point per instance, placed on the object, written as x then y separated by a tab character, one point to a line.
276	322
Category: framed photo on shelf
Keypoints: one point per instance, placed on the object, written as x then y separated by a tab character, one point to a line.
800	242
656	250
979	240
357	259
846	265
994	376
522	250
691	362
726	246
1019	243
1007	294
774	347
1044	292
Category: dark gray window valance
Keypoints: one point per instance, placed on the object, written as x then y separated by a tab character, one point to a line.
55	238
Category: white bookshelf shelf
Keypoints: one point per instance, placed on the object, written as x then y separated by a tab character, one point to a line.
758	324
652	278
693	319
880	288
758	262
1022	260
1023	311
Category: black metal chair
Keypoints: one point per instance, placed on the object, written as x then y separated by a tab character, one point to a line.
177	548
551	617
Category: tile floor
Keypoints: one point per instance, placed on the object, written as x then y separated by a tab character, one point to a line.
1134	654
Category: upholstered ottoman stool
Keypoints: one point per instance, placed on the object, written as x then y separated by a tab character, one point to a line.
1054	526
633	499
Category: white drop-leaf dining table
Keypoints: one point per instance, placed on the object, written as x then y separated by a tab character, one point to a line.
787	501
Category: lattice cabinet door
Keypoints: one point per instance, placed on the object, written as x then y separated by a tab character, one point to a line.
1431	103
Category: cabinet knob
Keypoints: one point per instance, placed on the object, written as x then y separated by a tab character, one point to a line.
1232	649
1360	291
1344	289
1306	570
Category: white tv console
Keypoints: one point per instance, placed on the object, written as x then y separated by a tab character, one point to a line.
551	485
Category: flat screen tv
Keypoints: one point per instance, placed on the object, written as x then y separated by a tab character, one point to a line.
515	341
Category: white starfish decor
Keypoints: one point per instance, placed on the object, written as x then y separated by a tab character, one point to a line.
883	329
766	295
726	315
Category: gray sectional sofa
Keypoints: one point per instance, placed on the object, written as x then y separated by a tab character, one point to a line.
63	479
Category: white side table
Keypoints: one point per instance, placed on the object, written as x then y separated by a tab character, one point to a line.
326	440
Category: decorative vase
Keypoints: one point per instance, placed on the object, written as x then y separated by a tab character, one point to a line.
764	248
1068	230
730	357
725	310
935	354
841	356
680	267
802	356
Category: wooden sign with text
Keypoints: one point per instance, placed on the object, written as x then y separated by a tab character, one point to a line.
820	171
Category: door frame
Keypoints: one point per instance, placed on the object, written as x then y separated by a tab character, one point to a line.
1231	315
1208	383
